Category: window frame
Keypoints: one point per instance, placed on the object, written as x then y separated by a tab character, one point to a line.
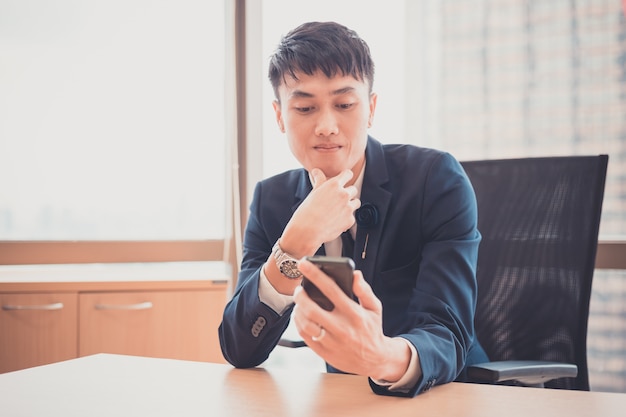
19	252
71	252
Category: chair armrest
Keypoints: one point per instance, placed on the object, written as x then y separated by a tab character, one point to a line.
291	343
531	373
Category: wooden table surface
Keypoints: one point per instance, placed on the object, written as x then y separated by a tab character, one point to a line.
117	385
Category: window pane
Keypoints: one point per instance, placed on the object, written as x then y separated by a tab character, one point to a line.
518	78
111	120
606	337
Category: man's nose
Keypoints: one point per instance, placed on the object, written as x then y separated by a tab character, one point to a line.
326	123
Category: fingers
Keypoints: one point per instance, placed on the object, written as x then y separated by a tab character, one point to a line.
354	204
317	177
307	305
329	209
345	176
362	290
364	293
309	330
323	282
349	193
307	322
350	332
342	179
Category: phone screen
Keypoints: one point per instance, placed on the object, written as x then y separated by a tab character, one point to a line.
340	269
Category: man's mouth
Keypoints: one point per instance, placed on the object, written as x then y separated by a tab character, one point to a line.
327	147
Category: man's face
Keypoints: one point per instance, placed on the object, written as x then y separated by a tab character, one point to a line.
326	121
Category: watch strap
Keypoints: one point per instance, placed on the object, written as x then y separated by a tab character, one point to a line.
286	264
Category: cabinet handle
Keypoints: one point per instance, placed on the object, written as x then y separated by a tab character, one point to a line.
53	306
139	306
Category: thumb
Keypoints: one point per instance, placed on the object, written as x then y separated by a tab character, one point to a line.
318	177
364	293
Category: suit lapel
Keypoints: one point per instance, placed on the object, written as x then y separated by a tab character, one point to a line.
372	192
303	188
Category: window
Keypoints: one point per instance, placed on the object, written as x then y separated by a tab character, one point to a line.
113	120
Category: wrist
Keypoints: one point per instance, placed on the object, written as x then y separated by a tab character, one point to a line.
292	242
286	263
395	360
278	281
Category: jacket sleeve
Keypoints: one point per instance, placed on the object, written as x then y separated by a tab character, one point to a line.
439	315
250	329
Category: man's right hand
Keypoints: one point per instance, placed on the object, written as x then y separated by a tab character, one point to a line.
327	212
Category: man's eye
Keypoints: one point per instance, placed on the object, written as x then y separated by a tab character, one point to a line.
345	106
304	109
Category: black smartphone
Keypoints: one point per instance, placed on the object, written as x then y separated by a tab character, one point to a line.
340	269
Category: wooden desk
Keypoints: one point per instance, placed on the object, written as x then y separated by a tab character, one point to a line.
115	385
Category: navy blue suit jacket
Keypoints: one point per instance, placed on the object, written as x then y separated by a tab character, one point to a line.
421	260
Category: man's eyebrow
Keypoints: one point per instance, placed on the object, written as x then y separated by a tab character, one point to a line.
343	90
304	94
300	94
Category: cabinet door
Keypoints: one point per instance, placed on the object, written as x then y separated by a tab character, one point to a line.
165	324
37	329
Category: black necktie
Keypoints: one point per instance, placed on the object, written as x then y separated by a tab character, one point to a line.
347	248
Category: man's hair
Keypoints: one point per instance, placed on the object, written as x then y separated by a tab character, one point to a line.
328	47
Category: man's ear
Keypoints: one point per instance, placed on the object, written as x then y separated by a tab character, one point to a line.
373	100
279	115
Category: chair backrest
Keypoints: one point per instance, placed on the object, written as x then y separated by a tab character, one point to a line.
539	220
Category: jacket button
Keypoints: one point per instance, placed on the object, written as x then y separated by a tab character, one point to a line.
429	384
258	326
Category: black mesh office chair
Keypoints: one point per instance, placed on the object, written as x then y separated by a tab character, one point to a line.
539	220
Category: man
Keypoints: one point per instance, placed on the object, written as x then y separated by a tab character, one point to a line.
415	245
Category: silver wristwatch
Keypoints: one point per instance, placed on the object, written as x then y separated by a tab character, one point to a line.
287	264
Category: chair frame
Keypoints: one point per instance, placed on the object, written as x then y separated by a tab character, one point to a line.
539	372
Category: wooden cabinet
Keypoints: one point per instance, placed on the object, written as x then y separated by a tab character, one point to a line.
172	324
45	321
36	329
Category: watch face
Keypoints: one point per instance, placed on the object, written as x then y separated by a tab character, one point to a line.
290	269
